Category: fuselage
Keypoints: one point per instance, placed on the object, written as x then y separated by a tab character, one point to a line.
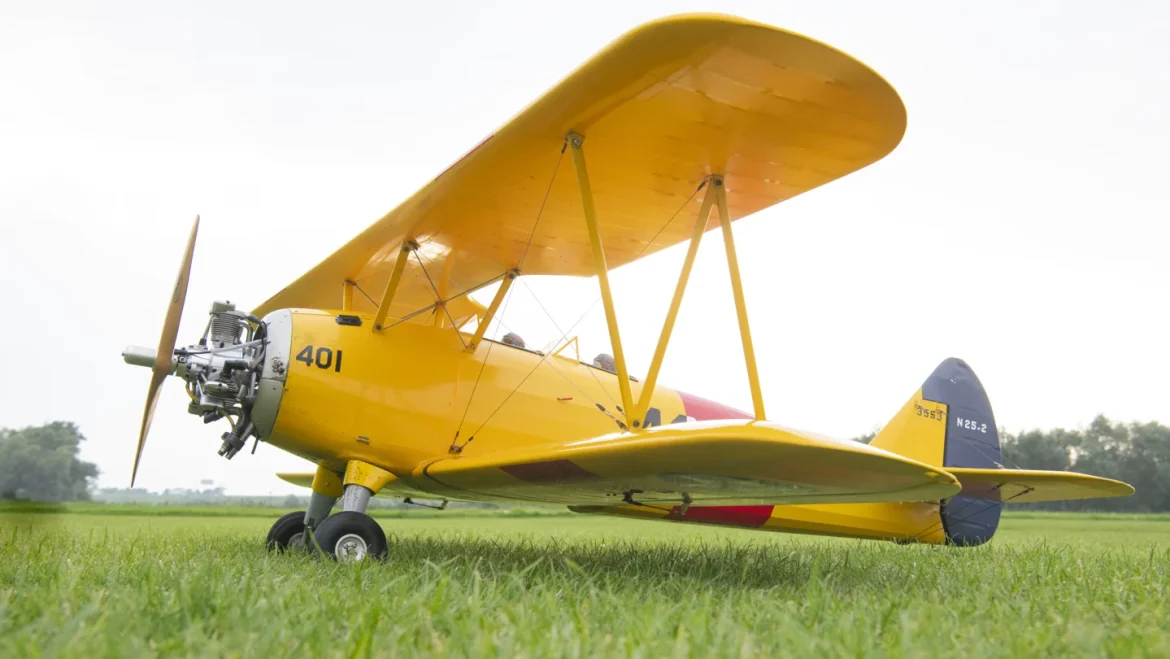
403	396
412	394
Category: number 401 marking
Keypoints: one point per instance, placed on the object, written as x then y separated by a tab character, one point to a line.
322	358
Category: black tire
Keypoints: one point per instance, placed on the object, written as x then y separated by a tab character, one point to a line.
283	531
336	527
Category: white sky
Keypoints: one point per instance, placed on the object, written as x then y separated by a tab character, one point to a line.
1020	225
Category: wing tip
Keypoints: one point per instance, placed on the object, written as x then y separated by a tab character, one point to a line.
296	478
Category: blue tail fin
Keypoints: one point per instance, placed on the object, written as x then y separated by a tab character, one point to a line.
968	437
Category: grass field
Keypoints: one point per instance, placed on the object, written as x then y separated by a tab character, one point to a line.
97	581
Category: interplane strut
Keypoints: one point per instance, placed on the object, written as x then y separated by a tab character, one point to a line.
492	308
716	195
675	303
392	285
615	339
745	332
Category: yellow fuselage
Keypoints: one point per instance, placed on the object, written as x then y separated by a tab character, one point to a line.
402	397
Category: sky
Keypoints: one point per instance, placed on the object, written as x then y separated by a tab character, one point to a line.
1020	225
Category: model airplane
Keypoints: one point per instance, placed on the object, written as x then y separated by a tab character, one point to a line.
374	365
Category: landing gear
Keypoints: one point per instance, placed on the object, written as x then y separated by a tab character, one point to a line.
287	533
351	536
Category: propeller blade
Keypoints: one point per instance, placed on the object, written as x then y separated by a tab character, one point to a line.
166	346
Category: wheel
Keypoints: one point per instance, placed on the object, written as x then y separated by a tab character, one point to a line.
351	537
287	531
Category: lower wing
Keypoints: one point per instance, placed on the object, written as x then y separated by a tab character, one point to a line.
708	463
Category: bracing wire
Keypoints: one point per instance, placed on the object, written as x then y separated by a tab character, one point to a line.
544	358
455	447
439	297
540	212
564	337
468	291
359	288
588	397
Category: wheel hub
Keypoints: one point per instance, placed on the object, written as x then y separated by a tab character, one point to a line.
350	548
297	541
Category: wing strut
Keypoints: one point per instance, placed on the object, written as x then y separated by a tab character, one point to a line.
392	285
675	303
615	339
745	332
491	310
716	196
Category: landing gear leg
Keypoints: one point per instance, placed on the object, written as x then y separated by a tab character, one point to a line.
289	532
351	535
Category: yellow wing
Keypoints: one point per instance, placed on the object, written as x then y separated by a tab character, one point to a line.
301	479
305	479
663	107
717	462
1027	486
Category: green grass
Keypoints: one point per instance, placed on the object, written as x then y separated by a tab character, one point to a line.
180	510
90	584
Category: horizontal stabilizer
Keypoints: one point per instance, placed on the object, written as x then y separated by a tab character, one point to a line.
1028	486
714	463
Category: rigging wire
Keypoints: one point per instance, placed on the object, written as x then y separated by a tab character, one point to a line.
456	448
564	337
439	297
596	404
468	291
540	212
359	288
517	388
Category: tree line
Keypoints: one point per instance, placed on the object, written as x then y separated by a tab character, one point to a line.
42	463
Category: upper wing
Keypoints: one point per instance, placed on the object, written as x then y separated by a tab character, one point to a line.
661	108
709	463
1028	486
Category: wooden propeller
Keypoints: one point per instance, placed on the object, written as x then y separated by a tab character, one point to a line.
166	345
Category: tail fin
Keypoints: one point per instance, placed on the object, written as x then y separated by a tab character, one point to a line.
949	423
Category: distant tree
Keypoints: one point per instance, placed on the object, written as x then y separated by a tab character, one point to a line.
41	463
291	501
1137	453
867	437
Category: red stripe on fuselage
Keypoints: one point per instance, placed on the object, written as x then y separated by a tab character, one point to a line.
701	409
748	516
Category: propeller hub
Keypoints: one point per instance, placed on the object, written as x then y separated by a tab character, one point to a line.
139	356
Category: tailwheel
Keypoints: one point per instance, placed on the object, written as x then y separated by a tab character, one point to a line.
351	537
287	533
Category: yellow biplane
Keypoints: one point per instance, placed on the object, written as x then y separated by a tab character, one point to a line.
375	365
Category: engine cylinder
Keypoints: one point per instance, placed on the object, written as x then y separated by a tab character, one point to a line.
226	324
225	329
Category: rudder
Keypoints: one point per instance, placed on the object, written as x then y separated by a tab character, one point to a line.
948	422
